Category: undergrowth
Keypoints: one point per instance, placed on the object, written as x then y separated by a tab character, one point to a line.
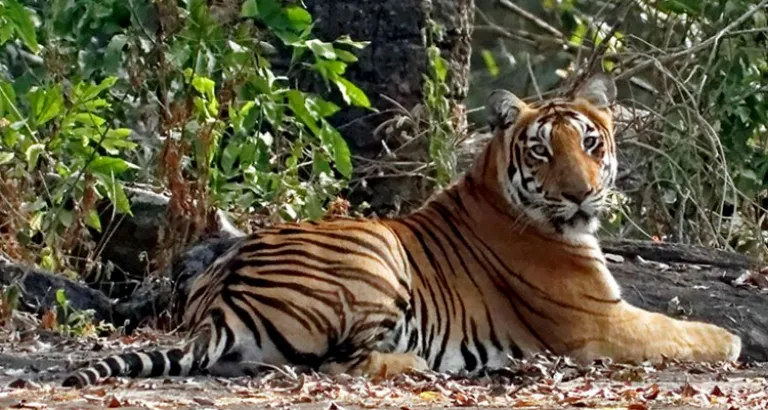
193	99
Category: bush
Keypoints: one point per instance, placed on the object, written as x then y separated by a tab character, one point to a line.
194	99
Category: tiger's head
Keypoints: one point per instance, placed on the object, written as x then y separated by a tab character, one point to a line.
558	157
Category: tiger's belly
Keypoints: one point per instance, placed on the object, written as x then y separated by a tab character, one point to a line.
452	352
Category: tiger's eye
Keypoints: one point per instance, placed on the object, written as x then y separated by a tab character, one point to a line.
540	150
590	142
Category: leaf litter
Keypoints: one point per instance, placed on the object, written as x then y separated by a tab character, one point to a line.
541	381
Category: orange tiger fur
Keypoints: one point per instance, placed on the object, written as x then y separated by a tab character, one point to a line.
504	262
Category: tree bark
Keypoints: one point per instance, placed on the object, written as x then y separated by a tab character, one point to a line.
393	66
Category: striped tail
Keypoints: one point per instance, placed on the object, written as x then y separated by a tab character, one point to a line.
187	360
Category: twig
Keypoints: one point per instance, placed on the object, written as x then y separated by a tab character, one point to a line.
698	47
601	49
533	77
533	19
576	81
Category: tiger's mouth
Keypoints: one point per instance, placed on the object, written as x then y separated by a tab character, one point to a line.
579	221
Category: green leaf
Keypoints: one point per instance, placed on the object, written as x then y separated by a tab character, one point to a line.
179	54
345	39
120	200
114	53
115	193
36	222
229	156
118	133
345	56
322	107
6	157
204	86
92	220
61	297
608	65
438	64
297	103
87	118
86	92
66	218
46	103
7	31
331	68
22	20
289	211
95	104
268	11
351	93
248	153
320	165
341	155
322	49
250	9
109	165
32	154
266	138
314	207
579	33
760	19
490	63
299	18
8	101
114	146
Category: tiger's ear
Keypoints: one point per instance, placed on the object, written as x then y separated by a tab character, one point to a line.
600	90
503	108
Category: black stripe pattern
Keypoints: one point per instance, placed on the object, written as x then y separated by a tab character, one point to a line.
438	283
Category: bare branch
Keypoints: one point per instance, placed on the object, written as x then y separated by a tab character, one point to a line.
533	19
695	49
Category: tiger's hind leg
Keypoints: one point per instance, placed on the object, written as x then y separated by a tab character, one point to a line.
378	364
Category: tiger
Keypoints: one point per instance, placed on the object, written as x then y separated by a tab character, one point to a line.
502	263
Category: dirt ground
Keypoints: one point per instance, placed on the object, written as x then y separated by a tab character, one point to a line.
33	363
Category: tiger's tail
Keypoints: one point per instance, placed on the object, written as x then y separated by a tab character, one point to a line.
196	354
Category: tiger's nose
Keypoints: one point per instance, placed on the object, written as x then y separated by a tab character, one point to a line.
576	197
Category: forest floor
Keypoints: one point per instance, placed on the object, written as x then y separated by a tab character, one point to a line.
33	363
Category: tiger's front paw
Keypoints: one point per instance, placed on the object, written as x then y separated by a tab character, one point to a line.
717	344
391	364
732	347
378	364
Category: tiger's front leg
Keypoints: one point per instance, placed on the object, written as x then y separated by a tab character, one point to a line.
378	364
632	334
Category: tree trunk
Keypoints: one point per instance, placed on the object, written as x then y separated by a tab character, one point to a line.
393	66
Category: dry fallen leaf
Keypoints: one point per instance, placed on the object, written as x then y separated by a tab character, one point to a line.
689	391
29	405
429	395
753	278
717	392
48	321
333	406
113	402
204	401
652	392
